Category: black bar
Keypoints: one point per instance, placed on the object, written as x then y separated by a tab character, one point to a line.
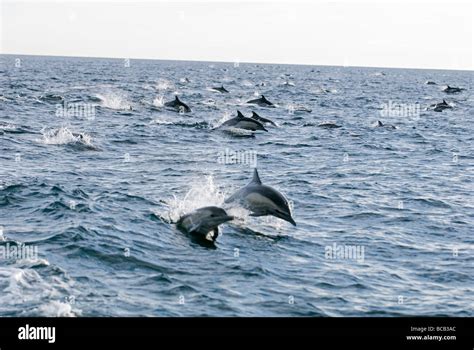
83	331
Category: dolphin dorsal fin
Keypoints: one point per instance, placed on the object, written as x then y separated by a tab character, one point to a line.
256	178
444	102
379	123
176	98
255	114
240	115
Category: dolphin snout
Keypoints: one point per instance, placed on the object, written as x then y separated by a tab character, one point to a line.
228	218
285	216
291	221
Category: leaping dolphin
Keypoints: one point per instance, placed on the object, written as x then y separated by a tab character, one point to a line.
262	119
221	89
242	122
262	101
204	223
178	106
262	200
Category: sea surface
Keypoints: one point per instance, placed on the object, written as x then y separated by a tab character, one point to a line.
95	171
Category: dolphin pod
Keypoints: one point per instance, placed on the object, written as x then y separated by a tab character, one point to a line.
258	198
441	106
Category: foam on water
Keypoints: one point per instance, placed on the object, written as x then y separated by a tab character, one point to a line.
203	193
25	290
56	308
114	100
164	84
158	101
64	136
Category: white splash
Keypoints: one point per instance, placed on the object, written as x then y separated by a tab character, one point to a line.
64	136
57	309
209	102
25	286
216	123
162	121
114	100
163	84
158	101
203	193
7	126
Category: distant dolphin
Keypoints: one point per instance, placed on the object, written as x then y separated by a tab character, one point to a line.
177	105
262	101
288	84
379	124
203	223
328	125
221	89
298	108
452	90
262	200
441	106
78	135
430	82
262	119
242	122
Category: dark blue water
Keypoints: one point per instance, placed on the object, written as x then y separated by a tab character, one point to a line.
98	207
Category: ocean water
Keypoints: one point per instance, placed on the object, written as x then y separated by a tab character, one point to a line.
89	193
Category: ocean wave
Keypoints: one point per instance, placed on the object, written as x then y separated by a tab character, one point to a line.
26	292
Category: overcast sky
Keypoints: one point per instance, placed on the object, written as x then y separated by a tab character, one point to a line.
424	34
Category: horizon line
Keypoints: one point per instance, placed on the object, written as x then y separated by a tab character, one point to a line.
242	62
